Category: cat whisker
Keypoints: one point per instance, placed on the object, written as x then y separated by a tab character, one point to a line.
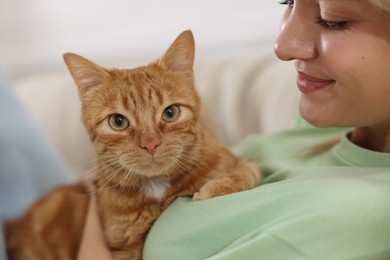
103	165
92	160
127	182
181	167
103	182
194	161
96	166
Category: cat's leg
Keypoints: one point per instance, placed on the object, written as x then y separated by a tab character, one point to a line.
51	228
244	176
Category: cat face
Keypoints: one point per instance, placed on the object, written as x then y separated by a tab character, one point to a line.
145	119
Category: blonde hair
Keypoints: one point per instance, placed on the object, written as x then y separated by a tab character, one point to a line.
383	4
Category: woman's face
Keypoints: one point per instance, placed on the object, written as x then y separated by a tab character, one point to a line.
341	50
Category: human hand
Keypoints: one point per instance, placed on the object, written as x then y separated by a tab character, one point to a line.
92	245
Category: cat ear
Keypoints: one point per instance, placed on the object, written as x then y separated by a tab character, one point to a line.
85	73
180	55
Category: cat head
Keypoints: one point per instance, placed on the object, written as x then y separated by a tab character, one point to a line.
141	119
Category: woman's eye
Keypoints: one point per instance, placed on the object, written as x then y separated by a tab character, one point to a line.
118	122
332	25
171	113
287	2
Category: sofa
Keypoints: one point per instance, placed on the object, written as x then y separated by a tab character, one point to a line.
244	92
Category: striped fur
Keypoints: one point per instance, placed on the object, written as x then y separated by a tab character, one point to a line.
144	167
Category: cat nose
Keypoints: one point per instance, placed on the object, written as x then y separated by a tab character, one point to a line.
150	146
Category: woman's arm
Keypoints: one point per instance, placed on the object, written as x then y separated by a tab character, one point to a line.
92	243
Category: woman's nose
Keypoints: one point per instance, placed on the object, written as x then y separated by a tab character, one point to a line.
297	37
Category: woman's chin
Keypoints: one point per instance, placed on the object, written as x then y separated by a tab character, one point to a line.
320	121
314	119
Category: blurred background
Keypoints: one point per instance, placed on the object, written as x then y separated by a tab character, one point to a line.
239	78
34	34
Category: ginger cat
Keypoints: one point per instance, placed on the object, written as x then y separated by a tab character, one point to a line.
150	149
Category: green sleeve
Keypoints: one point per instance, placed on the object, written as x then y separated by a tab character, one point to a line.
342	215
329	205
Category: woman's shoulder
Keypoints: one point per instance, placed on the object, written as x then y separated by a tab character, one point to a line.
295	140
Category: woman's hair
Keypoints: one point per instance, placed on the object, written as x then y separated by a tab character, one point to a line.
383	4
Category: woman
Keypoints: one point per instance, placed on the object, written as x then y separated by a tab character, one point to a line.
326	190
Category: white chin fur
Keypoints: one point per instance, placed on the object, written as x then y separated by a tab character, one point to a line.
155	188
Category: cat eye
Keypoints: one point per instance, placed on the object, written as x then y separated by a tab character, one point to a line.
171	113
118	122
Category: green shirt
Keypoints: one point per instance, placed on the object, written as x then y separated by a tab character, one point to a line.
316	201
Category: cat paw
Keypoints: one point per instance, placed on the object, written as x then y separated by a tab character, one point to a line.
201	196
210	190
196	197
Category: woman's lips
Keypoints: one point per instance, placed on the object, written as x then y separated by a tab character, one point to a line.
307	84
